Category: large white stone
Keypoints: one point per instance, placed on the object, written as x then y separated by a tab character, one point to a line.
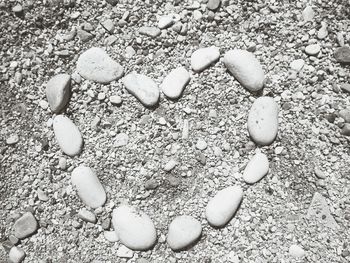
244	66
58	92
67	135
89	187
263	121
143	88
296	251
183	232
16	254
256	169
175	82
224	205
204	57
96	65
134	228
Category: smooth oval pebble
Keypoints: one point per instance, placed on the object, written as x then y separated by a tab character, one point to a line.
256	169
58	92
143	88
183	232
313	49
96	65
296	251
67	135
25	226
175	82
89	188
134	228
263	121
223	206
204	57
16	254
244	66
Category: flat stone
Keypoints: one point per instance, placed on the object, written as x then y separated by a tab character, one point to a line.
84	36
244	66
165	21
204	57
313	49
308	14
121	139
201	145
213	4
112	2
25	226
342	54
124	252
175	82
108	25
134	228
170	165
150	31
16	254
345	87
319	173
111	236
296	251
183	231
143	88
87	216
345	114
95	65
89	188
256	169
58	92
346	129
115	100
223	206
12	139
263	121
297	65
67	135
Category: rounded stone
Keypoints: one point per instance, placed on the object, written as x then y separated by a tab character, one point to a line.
175	82
256	169
313	49
223	206
58	92
204	57
25	226
67	135
296	251
89	187
134	228
16	254
263	121
183	232
244	66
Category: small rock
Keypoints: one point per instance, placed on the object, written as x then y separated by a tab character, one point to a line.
263	121
183	232
308	14
201	145
25	226
175	82
346	129
84	36
121	139
62	163
111	236
151	184
115	100
150	31
124	252
313	49
165	21
319	211
323	31
95	65
17	9
42	195
170	165
87	216
296	251
213	4
13	139
223	206
319	173
297	65
108	25
129	52
58	92
345	114
197	15
342	54
256	169
204	57
244	66
112	2
143	88
67	135
134	228
89	188
13	239
16	255
345	87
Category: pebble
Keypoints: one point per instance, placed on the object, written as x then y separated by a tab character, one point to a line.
17	9
345	114
313	49
170	165
143	88
42	195
308	14
84	36
13	139
111	236
67	135
108	25
183	232
319	211
263	121
58	92
175	82
89	188
112	2
124	252
297	65
296	251
87	216
244	66
204	57
96	65
346	129
345	87
323	31
115	100
319	173
342	54
16	254
150	31
25	226
121	139
201	145
134	228
223	206
256	169
165	21
213	4
62	163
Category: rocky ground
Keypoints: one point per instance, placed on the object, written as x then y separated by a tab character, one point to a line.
166	157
